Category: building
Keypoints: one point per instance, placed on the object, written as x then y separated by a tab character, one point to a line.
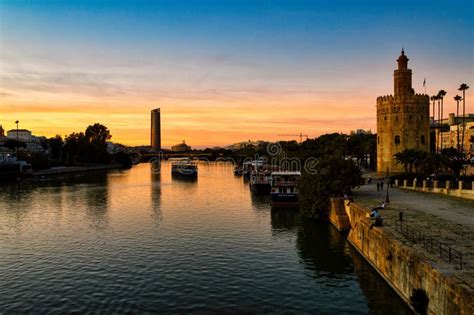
247	144
182	147
156	129
2	131
20	134
447	135
403	120
361	132
33	143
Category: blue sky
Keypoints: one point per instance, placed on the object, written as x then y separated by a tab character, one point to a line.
222	58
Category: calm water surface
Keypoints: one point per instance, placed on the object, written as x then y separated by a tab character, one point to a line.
130	241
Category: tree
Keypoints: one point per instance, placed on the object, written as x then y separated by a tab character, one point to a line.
403	159
433	98
457	98
452	160
76	147
410	158
332	177
361	146
97	133
97	136
440	96
56	147
463	87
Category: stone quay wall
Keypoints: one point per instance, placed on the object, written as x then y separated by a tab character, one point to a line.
404	269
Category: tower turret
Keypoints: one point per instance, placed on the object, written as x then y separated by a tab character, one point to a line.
402	77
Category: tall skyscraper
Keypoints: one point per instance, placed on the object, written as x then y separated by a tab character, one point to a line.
156	129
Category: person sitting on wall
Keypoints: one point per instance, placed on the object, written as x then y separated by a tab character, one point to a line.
381	207
376	216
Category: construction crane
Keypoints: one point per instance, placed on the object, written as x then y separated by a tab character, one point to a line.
301	135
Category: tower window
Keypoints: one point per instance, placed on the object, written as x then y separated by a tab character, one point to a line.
397	139
409	117
422	139
378	140
385	118
396	118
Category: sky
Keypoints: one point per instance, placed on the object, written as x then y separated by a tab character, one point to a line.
223	71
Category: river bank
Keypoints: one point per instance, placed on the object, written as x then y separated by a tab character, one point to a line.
62	170
426	258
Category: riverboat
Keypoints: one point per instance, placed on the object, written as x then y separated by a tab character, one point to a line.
284	187
260	179
184	168
249	166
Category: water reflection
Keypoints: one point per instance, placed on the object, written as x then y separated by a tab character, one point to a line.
378	293
323	249
260	202
155	194
284	220
91	243
96	197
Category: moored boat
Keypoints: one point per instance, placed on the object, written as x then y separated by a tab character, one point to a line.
250	166
261	177
284	187
184	168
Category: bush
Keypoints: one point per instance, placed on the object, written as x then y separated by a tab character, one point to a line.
332	177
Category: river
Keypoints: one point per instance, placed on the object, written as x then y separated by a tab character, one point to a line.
140	241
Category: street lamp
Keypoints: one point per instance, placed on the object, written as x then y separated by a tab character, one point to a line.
17	137
387	182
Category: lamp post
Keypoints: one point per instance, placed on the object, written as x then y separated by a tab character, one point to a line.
17	122
387	182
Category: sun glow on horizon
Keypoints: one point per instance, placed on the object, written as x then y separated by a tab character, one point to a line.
219	74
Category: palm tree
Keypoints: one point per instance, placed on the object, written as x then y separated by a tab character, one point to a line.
457	98
438	123
403	158
433	98
463	87
441	95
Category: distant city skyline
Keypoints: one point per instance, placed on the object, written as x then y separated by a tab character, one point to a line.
223	71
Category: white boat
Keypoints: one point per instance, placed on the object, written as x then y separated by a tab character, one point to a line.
184	167
249	166
284	186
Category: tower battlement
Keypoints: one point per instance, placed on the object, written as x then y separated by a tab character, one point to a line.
402	119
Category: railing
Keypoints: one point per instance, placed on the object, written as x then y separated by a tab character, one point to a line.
432	245
436	184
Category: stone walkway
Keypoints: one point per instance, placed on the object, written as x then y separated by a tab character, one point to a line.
449	220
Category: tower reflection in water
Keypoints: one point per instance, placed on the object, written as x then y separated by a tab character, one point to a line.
155	191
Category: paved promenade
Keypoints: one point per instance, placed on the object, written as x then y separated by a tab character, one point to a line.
447	219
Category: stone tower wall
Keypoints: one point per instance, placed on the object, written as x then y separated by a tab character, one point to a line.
402	122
